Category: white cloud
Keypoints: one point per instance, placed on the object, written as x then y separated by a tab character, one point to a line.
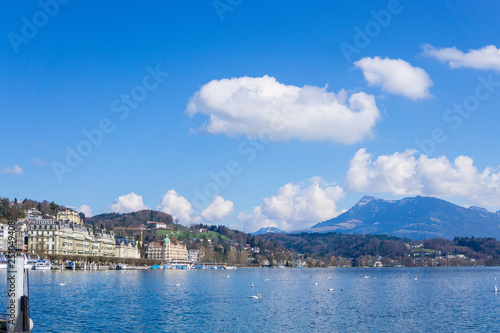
487	57
264	107
411	174
177	206
39	162
15	170
128	203
218	210
396	76
296	206
85	209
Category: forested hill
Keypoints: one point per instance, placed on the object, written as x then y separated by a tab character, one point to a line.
328	245
333	244
135	219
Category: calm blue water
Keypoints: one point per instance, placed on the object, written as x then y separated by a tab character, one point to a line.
390	300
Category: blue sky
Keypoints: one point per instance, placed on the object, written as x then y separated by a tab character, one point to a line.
249	113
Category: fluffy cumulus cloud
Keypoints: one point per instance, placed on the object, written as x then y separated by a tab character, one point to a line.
128	203
218	210
176	205
296	206
180	208
39	162
15	170
487	57
409	173
85	209
265	108
396	76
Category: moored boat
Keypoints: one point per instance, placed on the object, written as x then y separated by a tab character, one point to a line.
43	265
29	261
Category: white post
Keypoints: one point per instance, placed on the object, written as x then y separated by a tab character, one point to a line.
15	289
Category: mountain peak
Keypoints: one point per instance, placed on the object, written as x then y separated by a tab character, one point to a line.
481	209
367	199
414	217
268	230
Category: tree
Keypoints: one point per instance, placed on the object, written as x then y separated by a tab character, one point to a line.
231	255
53	207
4	207
242	257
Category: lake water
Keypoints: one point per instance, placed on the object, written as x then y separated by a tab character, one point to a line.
364	300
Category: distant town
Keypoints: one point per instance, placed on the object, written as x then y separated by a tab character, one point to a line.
62	234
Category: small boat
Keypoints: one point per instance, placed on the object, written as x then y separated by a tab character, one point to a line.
29	261
124	267
496	289
43	265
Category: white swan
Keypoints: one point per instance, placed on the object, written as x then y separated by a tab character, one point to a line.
256	296
177	284
62	284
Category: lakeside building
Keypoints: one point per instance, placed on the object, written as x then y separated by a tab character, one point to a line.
57	237
154	250
157	225
126	248
20	236
194	255
4	235
169	249
69	215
